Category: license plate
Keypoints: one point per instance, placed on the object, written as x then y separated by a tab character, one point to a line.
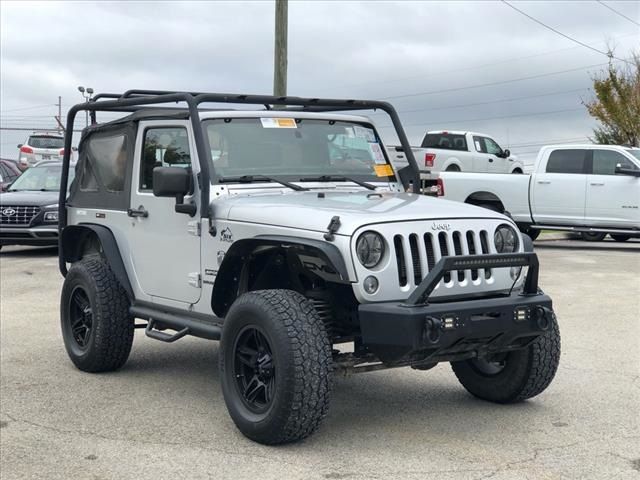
46	157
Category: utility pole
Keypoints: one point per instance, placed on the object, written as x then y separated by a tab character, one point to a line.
59	117
280	51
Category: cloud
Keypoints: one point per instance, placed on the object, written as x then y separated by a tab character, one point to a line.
337	49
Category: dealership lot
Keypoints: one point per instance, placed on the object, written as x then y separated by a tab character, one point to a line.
163	416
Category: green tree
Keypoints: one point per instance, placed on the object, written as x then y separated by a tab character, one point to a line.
616	105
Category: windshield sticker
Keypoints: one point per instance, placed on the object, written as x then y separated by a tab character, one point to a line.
279	123
363	132
383	170
378	156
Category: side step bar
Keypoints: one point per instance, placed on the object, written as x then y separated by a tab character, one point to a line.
183	323
586	229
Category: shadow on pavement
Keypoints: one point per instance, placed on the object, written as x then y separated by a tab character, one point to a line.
11	251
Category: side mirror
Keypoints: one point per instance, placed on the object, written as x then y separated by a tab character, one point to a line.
20	145
506	153
627	171
174	182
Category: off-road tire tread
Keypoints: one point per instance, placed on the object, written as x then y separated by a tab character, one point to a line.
310	348
114	325
543	358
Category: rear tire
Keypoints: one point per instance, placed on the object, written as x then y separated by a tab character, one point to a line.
520	375
620	238
275	366
97	327
593	236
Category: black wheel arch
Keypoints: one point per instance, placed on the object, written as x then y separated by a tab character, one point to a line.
76	239
230	273
485	199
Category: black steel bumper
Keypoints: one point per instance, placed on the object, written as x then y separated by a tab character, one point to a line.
466	327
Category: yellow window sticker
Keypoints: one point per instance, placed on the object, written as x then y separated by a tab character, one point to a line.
383	170
278	123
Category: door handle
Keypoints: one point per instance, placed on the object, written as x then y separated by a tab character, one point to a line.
138	212
544	182
597	184
490	160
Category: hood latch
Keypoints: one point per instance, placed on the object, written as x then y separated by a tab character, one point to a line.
332	228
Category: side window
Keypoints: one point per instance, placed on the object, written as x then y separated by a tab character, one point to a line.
163	147
605	161
492	147
566	161
478	142
107	160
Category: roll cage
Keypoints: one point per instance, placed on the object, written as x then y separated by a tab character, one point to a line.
135	100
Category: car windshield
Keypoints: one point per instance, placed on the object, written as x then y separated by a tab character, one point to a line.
45	178
635	152
45	142
292	149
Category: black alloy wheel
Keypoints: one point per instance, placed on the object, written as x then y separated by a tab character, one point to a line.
254	369
80	317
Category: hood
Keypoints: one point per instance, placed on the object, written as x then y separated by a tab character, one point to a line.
29	198
314	210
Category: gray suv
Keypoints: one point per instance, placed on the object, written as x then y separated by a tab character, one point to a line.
286	234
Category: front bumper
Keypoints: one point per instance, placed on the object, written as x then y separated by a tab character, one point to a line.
43	235
419	331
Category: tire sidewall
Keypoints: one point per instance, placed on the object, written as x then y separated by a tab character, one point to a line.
78	277
242	315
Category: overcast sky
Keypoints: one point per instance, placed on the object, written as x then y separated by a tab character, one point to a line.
433	60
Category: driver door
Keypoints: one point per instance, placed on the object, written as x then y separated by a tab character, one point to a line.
165	245
496	163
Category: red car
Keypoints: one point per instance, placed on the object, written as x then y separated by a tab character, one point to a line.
9	171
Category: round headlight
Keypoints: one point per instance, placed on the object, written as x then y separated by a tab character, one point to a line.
370	249
505	239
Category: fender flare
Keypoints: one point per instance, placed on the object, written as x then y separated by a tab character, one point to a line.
71	242
233	259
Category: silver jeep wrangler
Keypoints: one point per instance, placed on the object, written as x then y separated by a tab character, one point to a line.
285	233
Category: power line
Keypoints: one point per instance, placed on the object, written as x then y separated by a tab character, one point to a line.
618	13
469	120
30	108
501	82
490	102
607	54
546	142
474	67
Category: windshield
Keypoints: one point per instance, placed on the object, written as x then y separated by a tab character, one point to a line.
296	148
46	142
635	152
44	178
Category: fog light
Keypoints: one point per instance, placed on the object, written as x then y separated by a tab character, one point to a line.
370	285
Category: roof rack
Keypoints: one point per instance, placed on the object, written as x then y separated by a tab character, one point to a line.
136	99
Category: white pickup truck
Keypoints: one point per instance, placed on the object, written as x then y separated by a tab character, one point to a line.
449	151
591	189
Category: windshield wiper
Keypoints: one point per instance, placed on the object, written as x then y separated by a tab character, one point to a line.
338	178
260	178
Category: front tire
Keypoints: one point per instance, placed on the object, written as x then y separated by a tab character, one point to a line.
593	236
275	366
97	328
516	376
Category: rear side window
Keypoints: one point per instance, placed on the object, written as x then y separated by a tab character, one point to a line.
445	141
566	161
106	162
45	142
163	147
605	161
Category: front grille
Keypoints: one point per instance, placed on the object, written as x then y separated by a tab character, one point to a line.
17	215
416	255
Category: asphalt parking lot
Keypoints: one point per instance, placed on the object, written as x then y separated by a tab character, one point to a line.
163	416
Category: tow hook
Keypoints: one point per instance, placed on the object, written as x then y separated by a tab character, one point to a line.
543	317
432	329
